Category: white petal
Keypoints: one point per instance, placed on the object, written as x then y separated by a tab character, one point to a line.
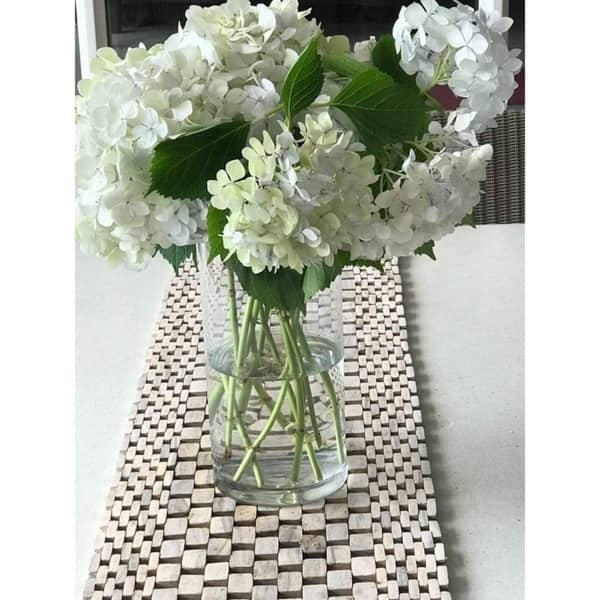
140	208
150	117
129	110
436	43
235	170
310	235
182	111
455	37
512	64
217	89
501	25
415	14
147	139
464	54
463	120
467	30
266	18
478	44
219	202
104	217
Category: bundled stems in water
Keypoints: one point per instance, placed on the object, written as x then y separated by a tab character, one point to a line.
330	389
249	347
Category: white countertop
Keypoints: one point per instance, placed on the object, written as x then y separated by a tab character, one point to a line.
465	316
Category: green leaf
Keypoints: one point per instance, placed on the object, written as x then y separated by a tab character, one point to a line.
303	82
386	59
313	280
320	276
176	255
427	249
281	289
181	167
215	222
344	65
382	110
469	220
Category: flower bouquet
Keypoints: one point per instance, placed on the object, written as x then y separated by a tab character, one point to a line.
274	157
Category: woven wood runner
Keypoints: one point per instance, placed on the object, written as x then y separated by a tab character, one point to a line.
168	534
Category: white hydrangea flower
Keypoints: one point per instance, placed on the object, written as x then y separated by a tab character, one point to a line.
254	41
259	100
429	199
296	202
292	201
463	48
225	63
124	110
151	130
454	135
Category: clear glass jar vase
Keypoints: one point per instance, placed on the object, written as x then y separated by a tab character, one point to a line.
275	392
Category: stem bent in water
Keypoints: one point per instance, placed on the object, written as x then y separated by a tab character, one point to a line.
253	341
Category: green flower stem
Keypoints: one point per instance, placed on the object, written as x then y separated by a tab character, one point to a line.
252	343
242	353
240	350
314	463
440	75
258	476
274	110
253	347
265	398
295	387
269	336
330	389
233	317
262	336
242	402
306	382
276	354
251	451
295	335
299	436
296	370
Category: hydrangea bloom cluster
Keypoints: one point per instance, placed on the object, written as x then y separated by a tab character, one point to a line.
296	202
429	198
463	48
225	63
302	190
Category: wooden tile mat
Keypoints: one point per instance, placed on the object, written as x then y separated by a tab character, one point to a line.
168	534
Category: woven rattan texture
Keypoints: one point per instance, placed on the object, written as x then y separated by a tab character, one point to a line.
504	189
168	534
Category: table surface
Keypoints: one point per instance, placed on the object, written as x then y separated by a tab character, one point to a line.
465	316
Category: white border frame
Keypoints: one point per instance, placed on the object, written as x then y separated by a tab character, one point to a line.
91	30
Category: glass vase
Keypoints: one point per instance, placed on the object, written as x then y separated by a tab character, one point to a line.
275	392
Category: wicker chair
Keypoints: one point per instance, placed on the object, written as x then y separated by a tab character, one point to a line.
503	200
